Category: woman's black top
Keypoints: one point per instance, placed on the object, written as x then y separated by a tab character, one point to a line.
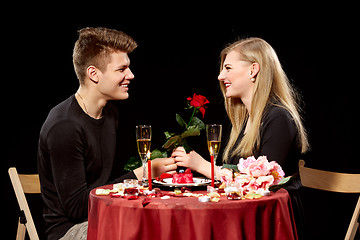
279	141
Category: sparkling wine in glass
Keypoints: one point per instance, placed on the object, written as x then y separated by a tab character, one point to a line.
143	140
213	135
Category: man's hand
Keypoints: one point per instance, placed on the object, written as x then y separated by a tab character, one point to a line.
158	167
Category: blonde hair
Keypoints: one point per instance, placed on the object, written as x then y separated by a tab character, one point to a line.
271	87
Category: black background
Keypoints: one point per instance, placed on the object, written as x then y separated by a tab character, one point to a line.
178	55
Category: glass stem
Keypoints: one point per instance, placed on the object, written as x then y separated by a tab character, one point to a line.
215	156
144	163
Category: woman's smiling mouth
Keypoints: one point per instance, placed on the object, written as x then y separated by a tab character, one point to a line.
227	85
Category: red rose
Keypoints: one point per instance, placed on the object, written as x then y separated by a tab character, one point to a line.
198	101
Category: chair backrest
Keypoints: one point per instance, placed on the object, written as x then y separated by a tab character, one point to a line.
334	182
329	181
30	183
25	184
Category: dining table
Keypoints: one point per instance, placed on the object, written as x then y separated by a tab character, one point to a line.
185	218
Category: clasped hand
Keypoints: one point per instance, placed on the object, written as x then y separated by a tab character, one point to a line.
190	160
179	158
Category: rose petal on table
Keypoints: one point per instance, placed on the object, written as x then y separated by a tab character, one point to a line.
146	201
130	197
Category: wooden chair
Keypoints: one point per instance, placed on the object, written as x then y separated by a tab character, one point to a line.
334	182
25	184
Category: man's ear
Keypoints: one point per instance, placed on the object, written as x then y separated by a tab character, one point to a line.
92	73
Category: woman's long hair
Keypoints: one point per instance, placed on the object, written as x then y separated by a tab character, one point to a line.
271	87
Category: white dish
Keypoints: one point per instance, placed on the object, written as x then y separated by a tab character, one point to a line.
197	182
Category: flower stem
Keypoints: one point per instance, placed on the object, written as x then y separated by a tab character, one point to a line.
193	113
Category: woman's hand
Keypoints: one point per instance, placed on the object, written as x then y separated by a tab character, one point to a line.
182	159
191	160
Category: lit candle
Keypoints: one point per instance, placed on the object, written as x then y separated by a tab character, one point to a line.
149	175
212	171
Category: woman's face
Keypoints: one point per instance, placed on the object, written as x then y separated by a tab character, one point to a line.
236	75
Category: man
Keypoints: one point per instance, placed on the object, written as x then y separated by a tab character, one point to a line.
78	141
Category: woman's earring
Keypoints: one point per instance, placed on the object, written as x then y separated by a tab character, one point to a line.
252	79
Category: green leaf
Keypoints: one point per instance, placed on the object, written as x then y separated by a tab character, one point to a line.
197	123
281	184
133	163
180	121
168	135
231	166
172	141
191	131
158	154
284	180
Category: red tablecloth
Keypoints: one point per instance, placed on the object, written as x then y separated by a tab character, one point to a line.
186	218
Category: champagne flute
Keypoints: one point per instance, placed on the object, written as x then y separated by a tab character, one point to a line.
213	135
143	140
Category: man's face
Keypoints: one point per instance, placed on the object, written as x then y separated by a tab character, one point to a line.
113	82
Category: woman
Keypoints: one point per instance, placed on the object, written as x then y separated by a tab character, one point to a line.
263	111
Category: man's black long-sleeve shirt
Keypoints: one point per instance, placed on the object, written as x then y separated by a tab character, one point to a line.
76	153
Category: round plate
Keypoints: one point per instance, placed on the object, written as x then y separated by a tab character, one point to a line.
197	182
